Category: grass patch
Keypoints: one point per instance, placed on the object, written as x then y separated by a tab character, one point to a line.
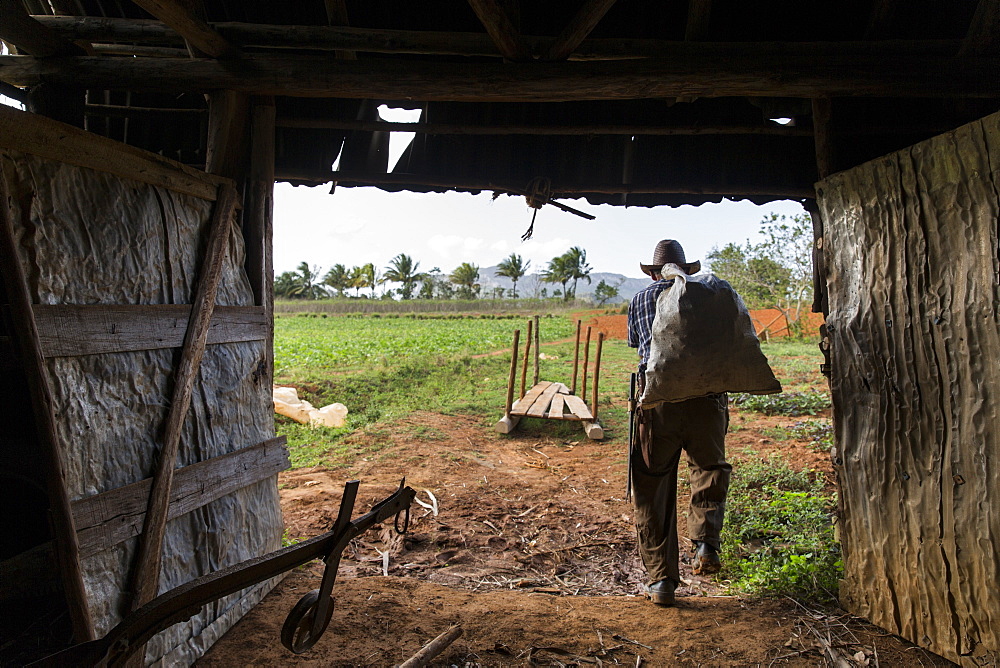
780	538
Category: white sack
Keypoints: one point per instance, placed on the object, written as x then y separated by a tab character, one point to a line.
703	343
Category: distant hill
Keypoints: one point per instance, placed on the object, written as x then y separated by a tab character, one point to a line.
531	285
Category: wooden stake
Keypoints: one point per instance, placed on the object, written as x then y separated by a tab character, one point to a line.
433	648
586	359
146	575
513	372
26	337
576	356
597	373
524	363
535	382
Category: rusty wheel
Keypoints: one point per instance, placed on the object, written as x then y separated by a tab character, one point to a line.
296	632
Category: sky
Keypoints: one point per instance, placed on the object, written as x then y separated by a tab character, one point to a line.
354	226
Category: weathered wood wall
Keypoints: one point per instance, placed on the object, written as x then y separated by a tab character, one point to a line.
110	242
911	249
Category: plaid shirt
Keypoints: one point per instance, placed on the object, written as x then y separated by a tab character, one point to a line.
641	312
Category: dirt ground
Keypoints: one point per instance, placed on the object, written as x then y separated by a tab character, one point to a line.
527	543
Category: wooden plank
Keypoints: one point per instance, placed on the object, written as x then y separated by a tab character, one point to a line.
30	36
557	406
585	20
562	389
764	128
428	42
578	407
25	338
30	133
521	406
500	29
191	27
709	76
541	404
70	330
107	519
146	574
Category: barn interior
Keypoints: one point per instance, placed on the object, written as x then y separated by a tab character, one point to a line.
166	119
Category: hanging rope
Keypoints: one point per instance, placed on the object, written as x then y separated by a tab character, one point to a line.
537	194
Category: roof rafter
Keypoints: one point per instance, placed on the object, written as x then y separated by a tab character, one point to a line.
192	28
302	76
503	33
30	36
144	31
581	25
983	37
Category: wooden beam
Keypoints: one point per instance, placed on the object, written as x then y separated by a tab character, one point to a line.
823	136
30	36
307	76
559	190
36	135
585	20
227	149
146	574
336	15
983	36
68	330
193	29
121	111
543	130
133	31
105	520
25	337
699	20
500	29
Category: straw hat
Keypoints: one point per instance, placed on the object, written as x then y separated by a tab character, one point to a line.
669	251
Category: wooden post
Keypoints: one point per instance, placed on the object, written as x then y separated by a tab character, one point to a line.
258	218
823	136
513	372
26	337
524	363
586	359
576	356
535	382
597	373
146	575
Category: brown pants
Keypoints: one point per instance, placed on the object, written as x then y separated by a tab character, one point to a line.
697	426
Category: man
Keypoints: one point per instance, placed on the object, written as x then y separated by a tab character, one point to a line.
697	426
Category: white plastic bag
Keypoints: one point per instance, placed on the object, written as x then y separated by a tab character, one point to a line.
287	403
703	343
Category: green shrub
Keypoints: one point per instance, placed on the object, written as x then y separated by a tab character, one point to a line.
779	538
786	403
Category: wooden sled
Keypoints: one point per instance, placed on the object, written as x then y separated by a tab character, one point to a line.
551	400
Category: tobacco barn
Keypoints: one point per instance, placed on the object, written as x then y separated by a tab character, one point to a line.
136	221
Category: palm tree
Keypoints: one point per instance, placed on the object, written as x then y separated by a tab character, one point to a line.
513	268
306	284
466	277
558	271
576	261
338	278
402	269
357	279
371	277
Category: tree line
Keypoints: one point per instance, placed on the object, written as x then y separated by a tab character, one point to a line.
309	282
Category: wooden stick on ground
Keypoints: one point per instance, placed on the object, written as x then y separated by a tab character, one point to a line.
576	356
146	574
433	648
535	382
524	362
